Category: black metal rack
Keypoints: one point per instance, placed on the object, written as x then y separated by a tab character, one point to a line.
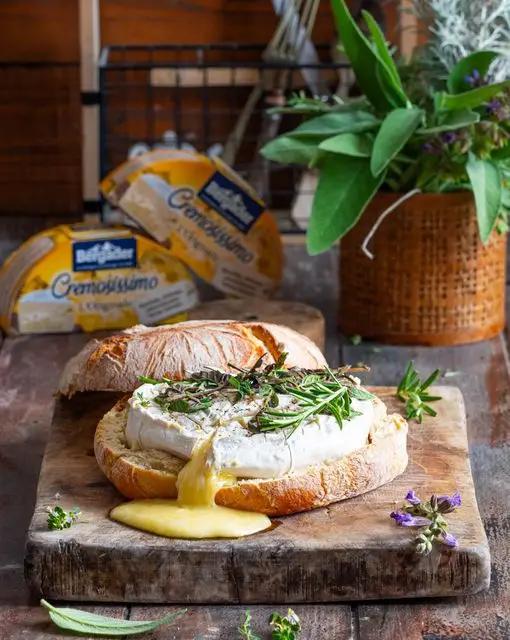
181	95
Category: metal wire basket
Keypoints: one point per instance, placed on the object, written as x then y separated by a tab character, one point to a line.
187	96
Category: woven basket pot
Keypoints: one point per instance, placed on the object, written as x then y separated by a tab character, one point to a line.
431	282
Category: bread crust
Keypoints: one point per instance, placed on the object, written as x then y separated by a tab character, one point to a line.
114	363
152	473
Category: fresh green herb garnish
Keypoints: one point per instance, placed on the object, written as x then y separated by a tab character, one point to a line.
285	627
282	627
413	392
59	519
90	624
144	402
314	392
147	380
245	630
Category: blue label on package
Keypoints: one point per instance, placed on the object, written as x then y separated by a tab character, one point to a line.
114	253
231	201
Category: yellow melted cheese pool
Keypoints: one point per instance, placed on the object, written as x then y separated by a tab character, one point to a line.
194	515
172	520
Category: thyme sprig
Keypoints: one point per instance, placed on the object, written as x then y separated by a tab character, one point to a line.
59	519
286	627
413	392
314	392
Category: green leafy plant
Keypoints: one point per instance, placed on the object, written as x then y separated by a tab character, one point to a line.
400	136
80	622
414	393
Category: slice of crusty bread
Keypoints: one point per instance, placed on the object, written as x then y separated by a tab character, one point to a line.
114	363
152	473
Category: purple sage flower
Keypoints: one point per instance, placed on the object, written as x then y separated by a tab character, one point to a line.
493	106
449	137
497	109
404	519
473	79
449	540
400	516
431	148
412	498
447	504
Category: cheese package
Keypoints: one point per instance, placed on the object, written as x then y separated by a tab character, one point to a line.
206	214
88	278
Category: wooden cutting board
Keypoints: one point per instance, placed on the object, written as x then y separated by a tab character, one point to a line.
348	551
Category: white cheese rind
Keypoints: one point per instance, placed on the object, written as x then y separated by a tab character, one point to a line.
236	450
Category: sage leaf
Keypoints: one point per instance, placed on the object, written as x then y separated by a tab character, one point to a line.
92	624
349	144
469	99
505	197
396	129
361	394
332	124
479	61
451	120
291	150
345	187
383	51
372	74
486	184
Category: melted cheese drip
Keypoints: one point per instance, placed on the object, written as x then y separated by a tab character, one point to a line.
194	514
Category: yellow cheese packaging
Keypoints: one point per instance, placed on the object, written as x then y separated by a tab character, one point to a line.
88	278
206	214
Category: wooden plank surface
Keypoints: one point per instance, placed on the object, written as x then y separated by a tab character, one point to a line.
346	551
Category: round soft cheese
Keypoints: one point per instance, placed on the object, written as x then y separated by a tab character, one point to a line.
236	449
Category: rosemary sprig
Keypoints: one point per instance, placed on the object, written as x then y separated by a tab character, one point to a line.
413	392
314	398
315	391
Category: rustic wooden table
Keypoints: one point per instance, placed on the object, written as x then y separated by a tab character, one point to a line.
29	369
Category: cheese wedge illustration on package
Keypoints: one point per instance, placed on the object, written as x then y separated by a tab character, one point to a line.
206	214
72	278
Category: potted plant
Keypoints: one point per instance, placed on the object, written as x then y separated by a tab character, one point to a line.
425	157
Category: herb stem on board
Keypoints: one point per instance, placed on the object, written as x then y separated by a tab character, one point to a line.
245	630
414	393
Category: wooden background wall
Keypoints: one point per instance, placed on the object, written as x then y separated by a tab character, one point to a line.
40	160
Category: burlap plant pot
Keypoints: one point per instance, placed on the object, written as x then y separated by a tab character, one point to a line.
431	282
